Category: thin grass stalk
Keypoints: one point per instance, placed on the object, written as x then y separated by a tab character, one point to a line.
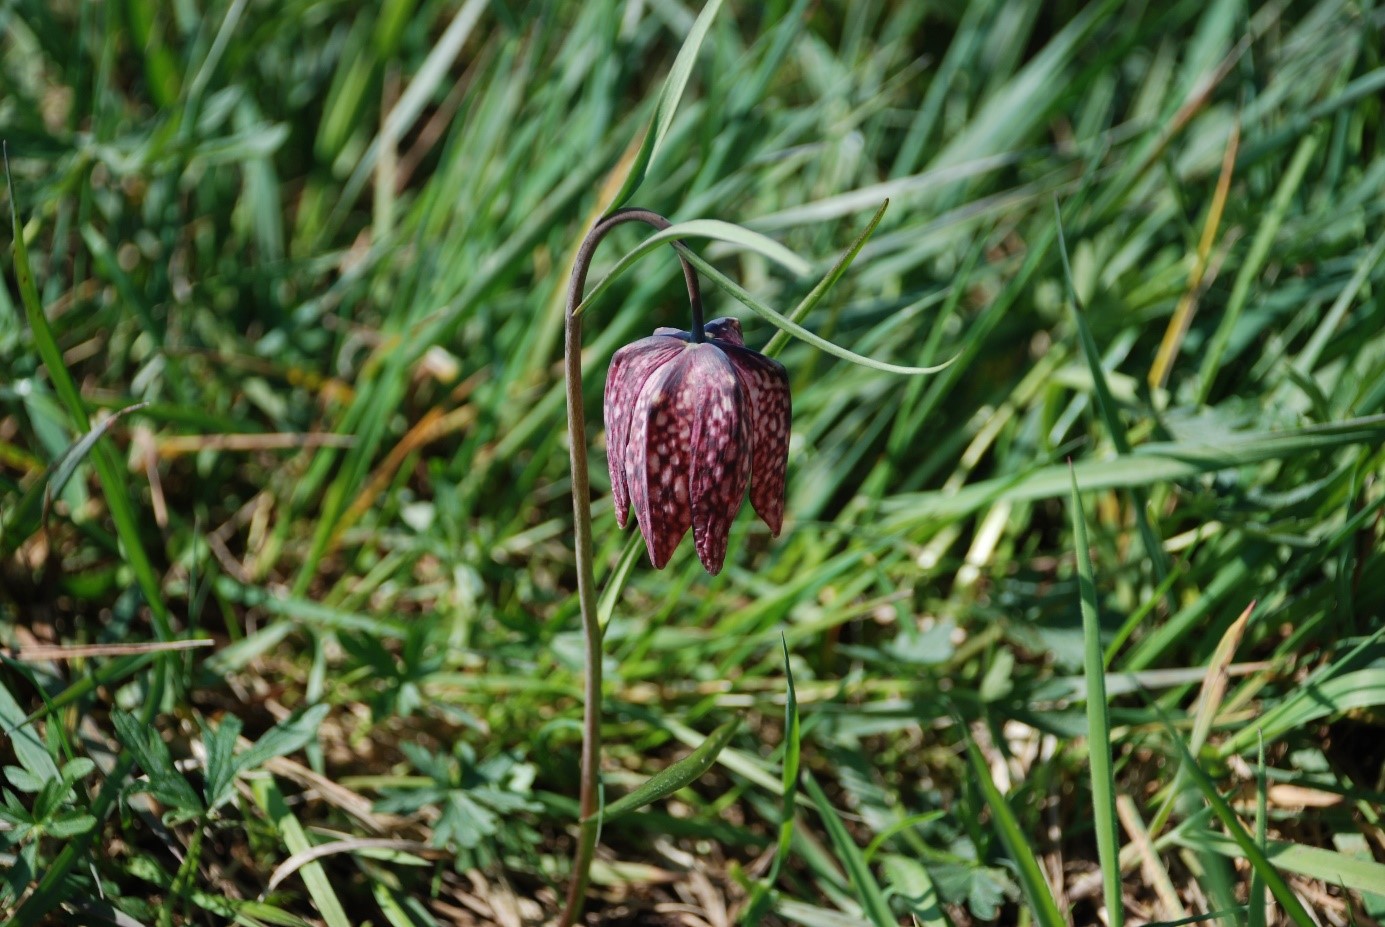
1098	718
1257	901
589	789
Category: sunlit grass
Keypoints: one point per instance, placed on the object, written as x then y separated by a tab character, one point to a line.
356	225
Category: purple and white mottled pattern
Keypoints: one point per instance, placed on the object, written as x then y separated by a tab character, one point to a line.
630	369
657	458
688	426
720	453
766	385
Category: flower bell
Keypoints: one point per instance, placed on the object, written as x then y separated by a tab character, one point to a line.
689	423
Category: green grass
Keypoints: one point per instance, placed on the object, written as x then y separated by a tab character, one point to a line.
327	248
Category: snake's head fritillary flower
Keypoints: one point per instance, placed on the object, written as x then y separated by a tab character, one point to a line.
688	426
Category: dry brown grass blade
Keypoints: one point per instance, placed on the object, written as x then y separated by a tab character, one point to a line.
433	425
1215	682
1170	907
1187	304
178	445
350	845
334	794
40	653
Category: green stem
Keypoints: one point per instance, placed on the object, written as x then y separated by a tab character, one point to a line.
588	802
182	881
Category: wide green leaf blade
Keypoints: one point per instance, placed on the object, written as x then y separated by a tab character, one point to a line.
1036	889
684	772
667	106
713	229
293	733
868	891
19	732
1098	719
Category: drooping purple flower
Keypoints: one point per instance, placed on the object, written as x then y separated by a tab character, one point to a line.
688	426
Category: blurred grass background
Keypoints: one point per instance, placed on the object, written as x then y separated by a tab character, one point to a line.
326	245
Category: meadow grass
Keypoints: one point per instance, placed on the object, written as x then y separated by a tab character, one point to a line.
1084	627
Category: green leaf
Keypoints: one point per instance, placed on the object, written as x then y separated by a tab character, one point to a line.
464	821
23	780
1256	899
17	877
713	229
760	892
221	768
615	583
1310	701
983	889
77	769
271	800
24	739
1249	849
792	754
400	908
118	500
70	824
815	295
907	879
33	506
292	734
868	891
1270	220
1098	719
164	782
1035	886
670	780
50	797
1110	415
1148	464
666	107
1328	866
793	328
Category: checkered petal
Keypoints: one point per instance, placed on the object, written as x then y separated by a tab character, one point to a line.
766	386
631	368
720	452
656	461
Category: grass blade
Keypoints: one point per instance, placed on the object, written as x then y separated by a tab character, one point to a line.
107	468
868	891
1256	900
784	324
271	801
667	106
1110	414
792	750
1041	903
1098	721
33	507
760	891
713	229
684	772
1248	847
1254	263
806	305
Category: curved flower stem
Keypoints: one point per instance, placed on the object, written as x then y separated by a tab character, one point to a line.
582	526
